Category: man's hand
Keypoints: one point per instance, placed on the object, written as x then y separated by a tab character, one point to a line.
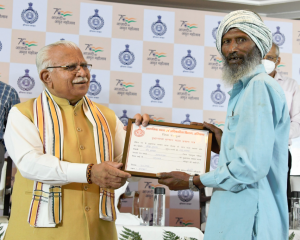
174	180
144	120
108	175
216	141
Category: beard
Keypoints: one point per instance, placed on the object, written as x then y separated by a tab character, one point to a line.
231	74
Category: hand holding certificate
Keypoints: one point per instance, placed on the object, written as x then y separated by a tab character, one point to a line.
166	147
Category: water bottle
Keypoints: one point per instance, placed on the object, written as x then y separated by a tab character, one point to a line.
296	216
159	207
294	199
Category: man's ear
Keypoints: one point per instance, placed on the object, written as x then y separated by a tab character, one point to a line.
45	77
278	62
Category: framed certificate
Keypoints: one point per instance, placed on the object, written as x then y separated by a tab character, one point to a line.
166	147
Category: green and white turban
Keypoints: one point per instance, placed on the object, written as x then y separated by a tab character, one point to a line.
249	23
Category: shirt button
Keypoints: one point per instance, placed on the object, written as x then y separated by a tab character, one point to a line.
82	147
87	208
85	187
75	113
78	129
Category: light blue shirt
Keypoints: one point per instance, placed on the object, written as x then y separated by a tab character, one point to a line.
251	201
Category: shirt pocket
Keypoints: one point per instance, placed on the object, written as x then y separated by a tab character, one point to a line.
232	122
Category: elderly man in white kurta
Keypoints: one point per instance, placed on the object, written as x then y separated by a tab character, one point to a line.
65	146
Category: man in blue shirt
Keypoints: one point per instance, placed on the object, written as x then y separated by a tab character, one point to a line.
249	199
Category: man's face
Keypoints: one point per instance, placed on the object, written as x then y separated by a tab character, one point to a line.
62	82
272	56
236	46
240	54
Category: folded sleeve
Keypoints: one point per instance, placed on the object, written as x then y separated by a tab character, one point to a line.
24	145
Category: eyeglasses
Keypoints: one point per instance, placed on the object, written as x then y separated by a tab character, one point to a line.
74	67
273	59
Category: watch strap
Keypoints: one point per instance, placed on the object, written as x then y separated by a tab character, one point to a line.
192	186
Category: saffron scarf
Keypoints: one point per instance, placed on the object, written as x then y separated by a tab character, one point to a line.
46	205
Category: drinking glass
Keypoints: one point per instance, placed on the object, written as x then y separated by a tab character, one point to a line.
144	216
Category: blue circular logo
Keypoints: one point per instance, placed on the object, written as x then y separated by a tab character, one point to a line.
26	83
187	121
95	87
126	57
96	22
124	118
214	161
188	62
29	15
158	27
186	195
278	37
214	31
157	92
218	96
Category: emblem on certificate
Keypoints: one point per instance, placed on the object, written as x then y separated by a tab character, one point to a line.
165	147
139	132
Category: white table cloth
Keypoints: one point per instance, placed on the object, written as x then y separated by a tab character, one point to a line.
297	234
151	233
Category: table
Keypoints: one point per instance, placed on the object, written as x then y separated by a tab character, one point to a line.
150	232
297	234
3	230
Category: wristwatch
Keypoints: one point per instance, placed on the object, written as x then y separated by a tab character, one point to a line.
192	186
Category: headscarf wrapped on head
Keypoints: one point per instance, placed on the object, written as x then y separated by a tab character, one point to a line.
251	24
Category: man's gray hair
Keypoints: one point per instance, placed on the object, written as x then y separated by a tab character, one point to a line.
42	58
277	49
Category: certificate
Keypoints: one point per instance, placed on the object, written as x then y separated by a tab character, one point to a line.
166	147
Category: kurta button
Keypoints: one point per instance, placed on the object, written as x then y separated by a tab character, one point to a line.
85	187
78	129
81	147
87	208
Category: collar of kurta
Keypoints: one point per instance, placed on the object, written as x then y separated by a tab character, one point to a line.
243	82
65	102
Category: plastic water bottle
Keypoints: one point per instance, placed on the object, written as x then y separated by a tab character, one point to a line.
159	207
